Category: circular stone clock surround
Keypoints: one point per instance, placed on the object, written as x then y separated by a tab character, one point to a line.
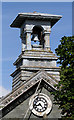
40	104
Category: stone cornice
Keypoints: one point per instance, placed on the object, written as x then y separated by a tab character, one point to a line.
36	55
37	16
33	68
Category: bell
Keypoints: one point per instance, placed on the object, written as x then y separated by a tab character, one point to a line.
35	37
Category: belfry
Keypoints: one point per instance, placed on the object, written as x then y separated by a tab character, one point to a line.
36	72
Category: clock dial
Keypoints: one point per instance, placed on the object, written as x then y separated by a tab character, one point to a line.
40	104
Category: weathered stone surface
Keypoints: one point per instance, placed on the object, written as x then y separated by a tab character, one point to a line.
30	62
36	69
21	109
27	88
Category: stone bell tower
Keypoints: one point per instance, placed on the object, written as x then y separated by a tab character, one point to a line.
34	27
36	72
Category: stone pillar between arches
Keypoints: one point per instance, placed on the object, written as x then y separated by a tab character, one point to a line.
28	40
47	40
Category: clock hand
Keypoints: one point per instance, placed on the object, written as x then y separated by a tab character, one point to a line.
39	104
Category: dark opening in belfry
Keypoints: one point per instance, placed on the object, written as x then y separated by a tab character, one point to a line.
38	35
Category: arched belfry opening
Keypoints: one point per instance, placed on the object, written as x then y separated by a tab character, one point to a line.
37	37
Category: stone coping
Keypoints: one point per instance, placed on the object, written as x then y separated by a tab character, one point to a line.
32	81
21	17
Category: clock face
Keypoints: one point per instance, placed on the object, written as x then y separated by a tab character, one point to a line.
40	104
